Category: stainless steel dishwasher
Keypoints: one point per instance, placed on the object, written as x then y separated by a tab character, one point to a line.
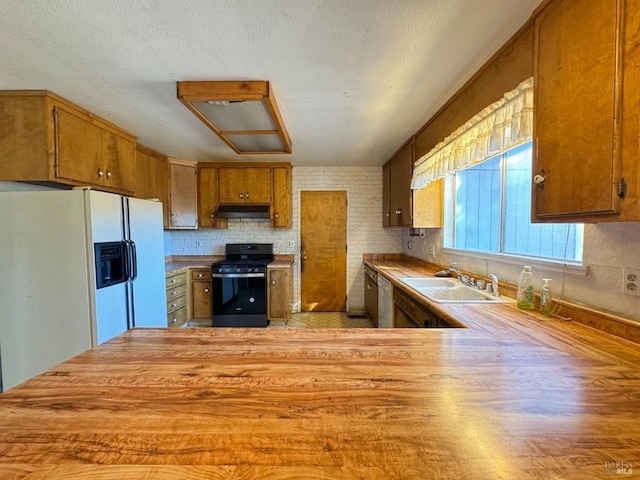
385	303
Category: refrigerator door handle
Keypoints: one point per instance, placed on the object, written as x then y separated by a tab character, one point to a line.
134	260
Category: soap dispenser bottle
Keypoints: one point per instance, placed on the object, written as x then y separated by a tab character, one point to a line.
526	294
545	298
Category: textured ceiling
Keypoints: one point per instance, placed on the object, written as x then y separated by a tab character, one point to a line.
353	78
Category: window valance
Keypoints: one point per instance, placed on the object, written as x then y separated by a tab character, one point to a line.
502	125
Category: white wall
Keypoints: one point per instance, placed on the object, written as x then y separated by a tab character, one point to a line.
608	248
365	232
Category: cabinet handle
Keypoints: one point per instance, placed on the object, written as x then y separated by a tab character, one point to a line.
213	215
108	174
368	287
100	172
241	195
206	290
276	216
175	292
398	212
246	195
173	280
174	321
200	275
273	282
540	179
174	305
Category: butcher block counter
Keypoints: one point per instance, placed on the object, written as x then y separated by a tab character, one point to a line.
332	404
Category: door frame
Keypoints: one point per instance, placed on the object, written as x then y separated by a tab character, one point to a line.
298	273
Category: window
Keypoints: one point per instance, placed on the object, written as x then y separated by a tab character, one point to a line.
488	209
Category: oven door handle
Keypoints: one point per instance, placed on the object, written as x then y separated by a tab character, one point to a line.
238	275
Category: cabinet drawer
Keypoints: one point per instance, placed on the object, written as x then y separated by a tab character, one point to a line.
177	318
175	303
176	291
176	279
201	274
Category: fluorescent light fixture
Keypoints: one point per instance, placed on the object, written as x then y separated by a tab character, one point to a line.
244	114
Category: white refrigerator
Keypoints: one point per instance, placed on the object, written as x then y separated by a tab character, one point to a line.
51	308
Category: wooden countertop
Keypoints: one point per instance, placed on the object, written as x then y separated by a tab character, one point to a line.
302	403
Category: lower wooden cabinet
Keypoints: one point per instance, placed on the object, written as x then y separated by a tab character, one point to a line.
176	283
371	293
279	292
408	314
201	293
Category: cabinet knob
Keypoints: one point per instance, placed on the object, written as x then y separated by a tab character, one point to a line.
200	275
175	292
100	172
276	216
173	280
174	304
540	179
241	195
174	321
108	174
398	212
246	195
206	290
213	215
273	282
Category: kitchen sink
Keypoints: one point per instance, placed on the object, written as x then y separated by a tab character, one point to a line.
441	290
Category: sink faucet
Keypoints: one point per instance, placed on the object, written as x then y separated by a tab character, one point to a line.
455	268
494	285
464	279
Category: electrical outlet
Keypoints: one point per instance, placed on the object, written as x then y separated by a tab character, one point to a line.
631	281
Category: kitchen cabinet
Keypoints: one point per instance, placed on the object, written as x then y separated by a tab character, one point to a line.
182	195
176	283
371	293
578	110
279	293
208	199
408	314
201	293
244	185
152	178
281	206
45	138
396	189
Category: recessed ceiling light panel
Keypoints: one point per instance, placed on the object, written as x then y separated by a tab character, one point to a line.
244	114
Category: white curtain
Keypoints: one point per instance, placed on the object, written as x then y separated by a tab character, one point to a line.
502	125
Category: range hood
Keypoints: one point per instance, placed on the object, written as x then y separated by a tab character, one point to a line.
243	211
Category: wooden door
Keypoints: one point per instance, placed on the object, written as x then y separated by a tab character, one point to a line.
282	197
119	161
78	149
323	256
577	100
182	195
231	185
257	184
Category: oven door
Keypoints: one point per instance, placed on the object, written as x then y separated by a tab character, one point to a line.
239	298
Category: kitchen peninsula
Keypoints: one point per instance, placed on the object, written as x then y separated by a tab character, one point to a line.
511	396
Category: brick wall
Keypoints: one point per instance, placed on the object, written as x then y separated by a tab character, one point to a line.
365	233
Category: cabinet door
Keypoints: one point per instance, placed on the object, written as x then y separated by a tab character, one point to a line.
152	180
201	299
119	158
257	184
78	149
231	188
401	319
182	195
577	73
279	290
386	195
282	197
400	195
371	299
208	199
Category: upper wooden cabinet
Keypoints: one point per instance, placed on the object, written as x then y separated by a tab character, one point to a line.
182	195
244	185
281	206
152	178
397	195
578	73
45	138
